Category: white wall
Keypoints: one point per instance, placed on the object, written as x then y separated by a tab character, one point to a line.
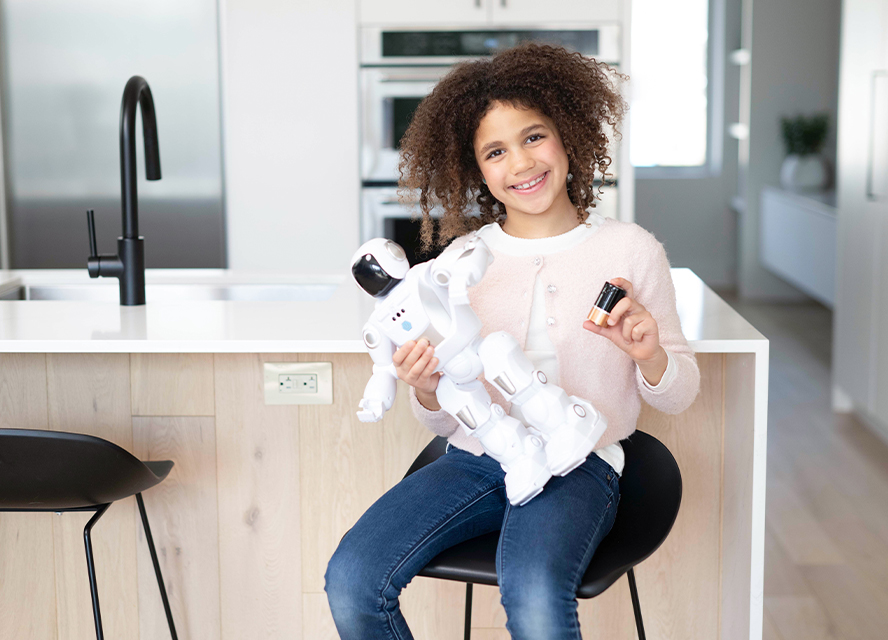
693	220
793	69
290	124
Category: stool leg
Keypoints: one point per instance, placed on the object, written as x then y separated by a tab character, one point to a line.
468	631
636	606
91	568
163	593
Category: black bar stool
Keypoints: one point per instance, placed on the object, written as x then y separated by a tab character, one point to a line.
58	471
650	494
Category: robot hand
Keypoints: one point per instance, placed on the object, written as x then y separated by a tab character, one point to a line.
371	410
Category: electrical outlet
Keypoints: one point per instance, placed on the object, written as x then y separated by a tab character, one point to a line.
298	382
287	383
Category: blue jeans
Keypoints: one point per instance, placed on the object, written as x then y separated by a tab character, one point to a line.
544	546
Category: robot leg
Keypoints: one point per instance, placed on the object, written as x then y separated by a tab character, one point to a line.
576	437
570	426
505	439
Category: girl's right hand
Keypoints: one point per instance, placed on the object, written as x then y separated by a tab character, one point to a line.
415	362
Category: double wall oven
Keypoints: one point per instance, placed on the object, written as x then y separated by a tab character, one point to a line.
399	67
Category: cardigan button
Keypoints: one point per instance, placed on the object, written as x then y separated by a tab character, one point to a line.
551	288
537	260
551	321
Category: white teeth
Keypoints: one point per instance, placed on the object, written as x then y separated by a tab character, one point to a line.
528	185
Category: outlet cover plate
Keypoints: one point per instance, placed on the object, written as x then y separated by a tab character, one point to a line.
274	370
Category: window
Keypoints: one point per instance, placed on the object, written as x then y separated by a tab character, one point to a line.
669	88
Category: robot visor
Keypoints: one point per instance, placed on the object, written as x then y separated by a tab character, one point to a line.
372	278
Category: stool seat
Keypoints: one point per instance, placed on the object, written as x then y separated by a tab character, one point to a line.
60	471
650	496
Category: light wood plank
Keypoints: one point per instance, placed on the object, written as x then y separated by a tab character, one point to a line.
798	531
800	618
27	576
172	384
487	610
610	616
679	585
23	391
842	500
340	462
257	463
863	477
434	608
404	436
317	622
490	634
89	393
184	524
26	548
782	576
738	449
856	606
769	631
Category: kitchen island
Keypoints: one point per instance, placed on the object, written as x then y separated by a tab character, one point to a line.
261	494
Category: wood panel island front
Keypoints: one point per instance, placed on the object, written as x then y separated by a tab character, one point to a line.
261	494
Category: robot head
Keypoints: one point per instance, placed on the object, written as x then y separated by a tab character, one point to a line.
379	266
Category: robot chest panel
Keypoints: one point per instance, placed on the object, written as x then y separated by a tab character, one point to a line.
402	318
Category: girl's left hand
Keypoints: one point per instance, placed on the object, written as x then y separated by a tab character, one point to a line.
631	327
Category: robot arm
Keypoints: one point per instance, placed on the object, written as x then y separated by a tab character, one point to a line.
379	394
459	270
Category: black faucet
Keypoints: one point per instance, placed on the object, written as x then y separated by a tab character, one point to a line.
129	263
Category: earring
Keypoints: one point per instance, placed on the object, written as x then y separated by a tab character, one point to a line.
484	180
570	177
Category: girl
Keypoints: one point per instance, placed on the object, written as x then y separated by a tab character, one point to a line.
522	134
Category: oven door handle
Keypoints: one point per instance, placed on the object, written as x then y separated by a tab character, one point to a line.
395	202
409	77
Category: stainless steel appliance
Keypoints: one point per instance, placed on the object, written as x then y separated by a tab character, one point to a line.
64	65
400	66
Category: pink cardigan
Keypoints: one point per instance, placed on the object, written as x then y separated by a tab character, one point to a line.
590	366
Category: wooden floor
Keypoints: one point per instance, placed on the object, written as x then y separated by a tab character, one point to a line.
826	540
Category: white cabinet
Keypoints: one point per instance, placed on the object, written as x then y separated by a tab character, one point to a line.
531	12
424	12
798	240
860	345
290	109
487	12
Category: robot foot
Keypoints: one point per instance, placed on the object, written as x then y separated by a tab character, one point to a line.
573	441
526	478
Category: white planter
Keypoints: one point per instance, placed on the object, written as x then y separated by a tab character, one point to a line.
805	173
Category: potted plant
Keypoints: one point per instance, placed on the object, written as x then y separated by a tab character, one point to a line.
804	167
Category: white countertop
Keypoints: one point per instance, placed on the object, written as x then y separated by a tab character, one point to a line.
329	326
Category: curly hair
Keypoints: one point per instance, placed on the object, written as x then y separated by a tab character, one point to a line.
437	151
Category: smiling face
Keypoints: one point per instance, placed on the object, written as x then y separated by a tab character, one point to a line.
524	163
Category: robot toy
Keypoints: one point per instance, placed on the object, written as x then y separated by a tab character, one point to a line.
431	300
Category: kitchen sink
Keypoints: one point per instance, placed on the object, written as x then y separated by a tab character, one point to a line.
301	292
